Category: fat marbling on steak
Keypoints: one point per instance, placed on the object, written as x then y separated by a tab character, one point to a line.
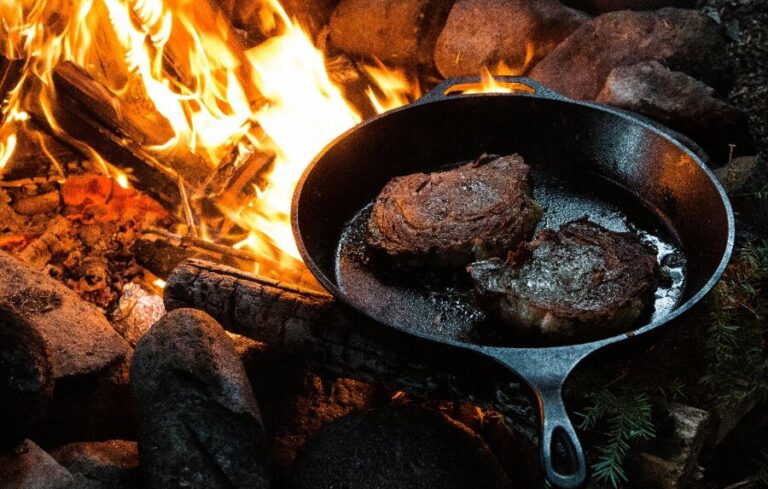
582	281
476	211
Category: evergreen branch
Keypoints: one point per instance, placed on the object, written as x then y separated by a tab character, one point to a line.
626	418
734	342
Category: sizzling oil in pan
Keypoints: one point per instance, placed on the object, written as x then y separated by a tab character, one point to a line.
440	304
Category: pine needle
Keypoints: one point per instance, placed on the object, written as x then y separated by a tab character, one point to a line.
622	419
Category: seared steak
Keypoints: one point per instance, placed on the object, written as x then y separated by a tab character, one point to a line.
481	209
582	281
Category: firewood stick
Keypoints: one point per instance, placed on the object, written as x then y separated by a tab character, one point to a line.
79	130
139	130
311	324
23	182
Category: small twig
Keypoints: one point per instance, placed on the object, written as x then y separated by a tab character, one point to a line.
754	313
744	483
194	241
188	216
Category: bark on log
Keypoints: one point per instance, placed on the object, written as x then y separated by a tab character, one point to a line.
340	342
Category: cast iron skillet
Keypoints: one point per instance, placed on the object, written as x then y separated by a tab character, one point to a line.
586	159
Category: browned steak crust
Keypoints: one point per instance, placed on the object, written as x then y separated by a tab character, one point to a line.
481	209
582	280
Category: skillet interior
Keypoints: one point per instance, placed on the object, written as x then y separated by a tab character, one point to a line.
574	150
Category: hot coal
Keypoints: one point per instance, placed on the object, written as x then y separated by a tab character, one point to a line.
478	210
580	281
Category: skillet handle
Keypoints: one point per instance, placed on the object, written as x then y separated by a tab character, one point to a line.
521	85
561	454
545	371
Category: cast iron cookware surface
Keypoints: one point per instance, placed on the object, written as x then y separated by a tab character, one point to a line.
586	161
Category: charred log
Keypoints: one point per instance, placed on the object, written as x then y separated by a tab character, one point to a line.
310	324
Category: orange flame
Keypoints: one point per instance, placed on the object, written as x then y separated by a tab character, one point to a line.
277	95
395	88
305	111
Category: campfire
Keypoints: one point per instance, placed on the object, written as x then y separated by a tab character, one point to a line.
150	152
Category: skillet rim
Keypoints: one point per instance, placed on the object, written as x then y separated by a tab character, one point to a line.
333	288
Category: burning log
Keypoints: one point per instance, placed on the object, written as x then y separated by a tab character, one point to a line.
161	251
307	323
311	15
90	114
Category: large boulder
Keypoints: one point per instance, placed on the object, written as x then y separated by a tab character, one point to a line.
395	31
682	40
112	464
29	467
396	447
682	103
517	33
26	378
81	340
88	359
198	421
602	6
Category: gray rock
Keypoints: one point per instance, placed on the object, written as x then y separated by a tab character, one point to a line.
80	338
682	103
519	33
29	467
395	31
88	358
137	310
683	40
198	422
602	6
737	173
112	464
26	379
396	447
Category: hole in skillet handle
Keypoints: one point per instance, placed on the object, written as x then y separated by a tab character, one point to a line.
561	452
518	85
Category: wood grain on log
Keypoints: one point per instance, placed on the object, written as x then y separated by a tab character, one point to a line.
340	342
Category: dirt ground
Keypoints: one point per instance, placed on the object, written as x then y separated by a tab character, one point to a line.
746	22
